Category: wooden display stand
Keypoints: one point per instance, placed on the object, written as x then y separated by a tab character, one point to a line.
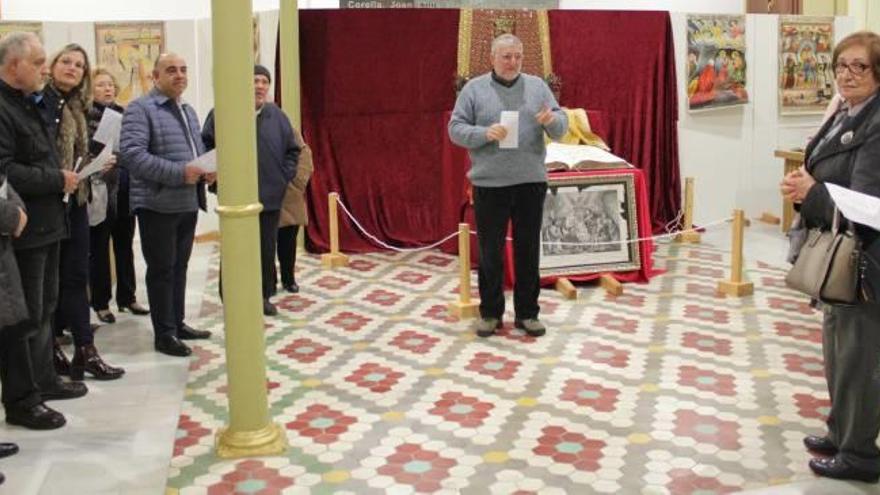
735	286
688	235
566	288
334	258
464	307
793	161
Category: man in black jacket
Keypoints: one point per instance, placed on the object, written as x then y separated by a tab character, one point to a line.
277	154
28	158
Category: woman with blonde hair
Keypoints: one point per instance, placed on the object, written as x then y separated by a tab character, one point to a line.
110	218
65	102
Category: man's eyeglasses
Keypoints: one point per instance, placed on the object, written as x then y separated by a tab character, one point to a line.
855	68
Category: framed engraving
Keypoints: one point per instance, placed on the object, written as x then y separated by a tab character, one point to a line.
590	225
806	77
128	50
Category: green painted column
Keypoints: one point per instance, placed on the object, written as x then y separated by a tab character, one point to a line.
289	38
250	431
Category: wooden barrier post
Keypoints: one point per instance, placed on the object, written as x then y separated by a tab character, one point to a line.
735	286
566	288
464	307
334	258
688	236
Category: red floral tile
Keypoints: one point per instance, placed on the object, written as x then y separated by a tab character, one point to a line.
362	265
465	410
330	282
686	482
812	407
321	423
800	306
626	299
775	282
270	385
251	476
707	429
547	307
703	271
616	323
800	331
707	380
589	395
703	290
202	357
700	255
438	261
348	321
304	350
605	354
498	367
704	313
706	343
440	312
411	277
415	342
375	377
422	469
566	447
383	297
807	365
295	303
189	433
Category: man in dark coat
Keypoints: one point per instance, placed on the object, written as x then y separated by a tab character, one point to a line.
27	157
277	155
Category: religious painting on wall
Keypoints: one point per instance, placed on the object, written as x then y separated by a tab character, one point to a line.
128	50
589	225
716	61
7	27
256	26
806	77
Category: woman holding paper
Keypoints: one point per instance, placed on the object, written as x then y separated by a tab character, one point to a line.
846	152
65	101
116	222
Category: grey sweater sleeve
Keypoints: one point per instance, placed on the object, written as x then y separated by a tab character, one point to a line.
463	130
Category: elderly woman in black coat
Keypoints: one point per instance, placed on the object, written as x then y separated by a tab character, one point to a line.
846	152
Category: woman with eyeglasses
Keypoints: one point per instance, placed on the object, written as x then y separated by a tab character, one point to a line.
65	102
846	152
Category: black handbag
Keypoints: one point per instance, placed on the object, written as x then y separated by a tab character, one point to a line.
829	265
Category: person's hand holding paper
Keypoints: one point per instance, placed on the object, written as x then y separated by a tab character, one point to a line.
510	121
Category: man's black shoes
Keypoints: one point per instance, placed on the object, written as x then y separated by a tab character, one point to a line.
7	449
36	417
172	346
64	390
187	332
292	287
837	468
820	445
269	309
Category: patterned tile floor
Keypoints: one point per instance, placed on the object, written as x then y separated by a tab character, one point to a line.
668	388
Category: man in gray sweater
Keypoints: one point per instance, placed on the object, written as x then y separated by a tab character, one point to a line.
509	178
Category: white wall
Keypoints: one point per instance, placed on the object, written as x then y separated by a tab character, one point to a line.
729	151
127	10
693	6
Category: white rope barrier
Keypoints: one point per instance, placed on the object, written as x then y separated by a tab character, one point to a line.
385	245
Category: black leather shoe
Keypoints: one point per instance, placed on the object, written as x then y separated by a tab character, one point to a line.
187	332
64	390
7	449
820	445
36	417
837	468
134	308
269	309
293	288
106	316
172	346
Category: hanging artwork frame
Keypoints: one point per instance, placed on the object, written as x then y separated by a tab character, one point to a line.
716	61
128	50
590	225
806	77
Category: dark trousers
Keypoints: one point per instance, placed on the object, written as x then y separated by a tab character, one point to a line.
73	296
523	206
287	254
16	376
39	280
166	242
851	346
121	230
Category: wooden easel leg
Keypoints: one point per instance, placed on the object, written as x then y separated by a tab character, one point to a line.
611	285
566	288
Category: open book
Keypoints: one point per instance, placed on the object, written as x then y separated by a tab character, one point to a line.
580	157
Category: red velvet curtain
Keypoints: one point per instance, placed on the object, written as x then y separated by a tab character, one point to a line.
622	64
376	84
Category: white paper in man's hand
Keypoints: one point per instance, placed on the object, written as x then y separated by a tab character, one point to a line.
108	128
510	121
206	162
97	164
855	206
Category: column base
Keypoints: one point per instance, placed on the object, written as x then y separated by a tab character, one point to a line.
465	309
268	441
736	289
334	260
